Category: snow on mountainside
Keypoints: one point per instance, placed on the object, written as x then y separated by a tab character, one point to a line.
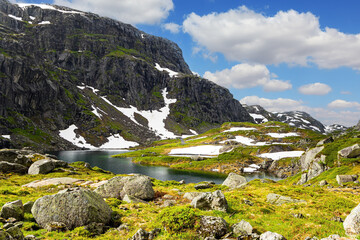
293	118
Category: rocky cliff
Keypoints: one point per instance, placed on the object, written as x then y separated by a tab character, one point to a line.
66	74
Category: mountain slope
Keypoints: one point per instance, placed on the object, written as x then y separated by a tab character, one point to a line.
97	78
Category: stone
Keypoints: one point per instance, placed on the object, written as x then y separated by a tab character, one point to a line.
242	227
191	195
312	164
138	186
341	179
15	233
277	199
168	203
333	237
297	215
74	207
210	201
202	186
14	156
13	210
323	183
56	227
210	226
30	237
352	222
248	202
7	167
96	228
28	206
234	180
182	182
141	234
350	152
4	235
337	219
130	199
325	141
51	181
87	165
8	225
45	166
271	236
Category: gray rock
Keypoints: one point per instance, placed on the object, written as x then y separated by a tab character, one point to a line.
30	237
332	237
312	164
138	186
215	227
141	234
341	179
51	181
73	207
243	227
210	201
182	182
15	233
45	166
87	165
13	210
323	183
56	227
96	228
191	195
271	236
4	235
352	222
28	206
14	156
7	167
203	186
350	152
277	199
325	141
168	203
234	181
130	199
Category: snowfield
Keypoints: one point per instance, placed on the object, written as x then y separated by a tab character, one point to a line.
234	129
197	150
279	155
171	72
246	141
283	135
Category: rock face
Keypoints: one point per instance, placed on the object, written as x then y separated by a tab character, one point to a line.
352	222
312	164
210	201
72	207
40	76
45	166
350	152
138	186
215	227
277	199
271	236
15	156
13	210
234	181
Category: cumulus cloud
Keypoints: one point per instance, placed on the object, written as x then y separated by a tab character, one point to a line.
343	104
246	76
128	11
315	89
325	115
287	37
172	27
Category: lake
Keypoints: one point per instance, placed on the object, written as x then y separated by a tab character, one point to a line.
103	160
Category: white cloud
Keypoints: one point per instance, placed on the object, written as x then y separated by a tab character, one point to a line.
343	104
287	37
172	27
315	89
325	115
128	11
246	76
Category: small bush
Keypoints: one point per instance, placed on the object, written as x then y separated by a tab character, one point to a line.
176	219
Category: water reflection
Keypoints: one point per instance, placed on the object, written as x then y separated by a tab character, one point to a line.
103	160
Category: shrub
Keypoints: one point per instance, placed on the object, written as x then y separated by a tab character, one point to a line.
176	219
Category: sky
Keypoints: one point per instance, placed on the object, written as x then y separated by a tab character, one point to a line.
280	54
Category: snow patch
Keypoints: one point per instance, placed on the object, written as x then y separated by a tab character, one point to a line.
86	86
96	111
14	17
44	23
278	155
283	135
197	150
171	72
193	132
234	129
246	141
6	136
118	142
70	135
48	7
32	18
258	116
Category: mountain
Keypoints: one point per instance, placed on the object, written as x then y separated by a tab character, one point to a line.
73	78
293	118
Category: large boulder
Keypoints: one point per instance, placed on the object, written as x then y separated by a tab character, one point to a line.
210	201
51	181
350	152
13	210
15	156
73	207
277	199
242	227
138	186
341	179
271	236
234	180
312	164
191	195
7	167
352	222
210	226
15	232
45	166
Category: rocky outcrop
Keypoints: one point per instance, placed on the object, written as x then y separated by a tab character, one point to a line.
45	166
234	180
71	207
352	222
138	186
215	227
312	164
210	201
6	167
350	152
277	199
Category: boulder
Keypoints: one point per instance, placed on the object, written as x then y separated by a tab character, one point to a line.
191	195
138	186
13	210
15	156
242	227
234	181
28	206
210	201
73	207
203	186
45	166
210	226
350	152
352	222
7	167
325	141
4	235
16	233
51	181
141	234
130	199
334	237
277	199
323	183
271	236
341	179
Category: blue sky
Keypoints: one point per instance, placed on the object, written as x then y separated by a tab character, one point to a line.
284	55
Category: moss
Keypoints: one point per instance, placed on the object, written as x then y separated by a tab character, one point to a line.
177	219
